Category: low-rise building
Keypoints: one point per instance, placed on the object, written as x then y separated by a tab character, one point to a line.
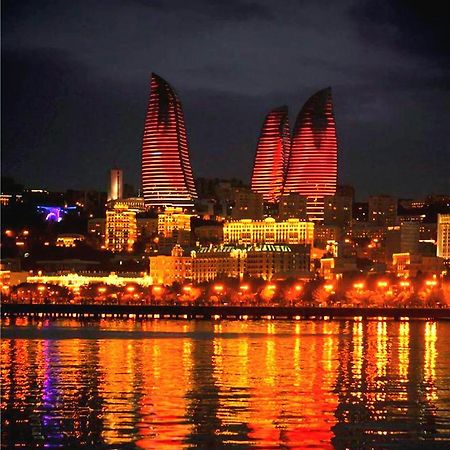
68	240
209	262
268	231
408	265
172	220
443	236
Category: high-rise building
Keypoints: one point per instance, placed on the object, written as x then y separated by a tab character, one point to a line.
121	229
166	170
338	210
272	155
383	210
312	165
443	236
115	190
292	206
247	204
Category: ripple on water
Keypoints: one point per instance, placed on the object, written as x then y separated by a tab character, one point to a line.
178	384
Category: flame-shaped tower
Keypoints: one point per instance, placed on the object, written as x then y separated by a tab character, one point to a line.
272	155
312	166
166	170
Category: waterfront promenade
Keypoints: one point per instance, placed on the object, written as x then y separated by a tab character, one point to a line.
217	312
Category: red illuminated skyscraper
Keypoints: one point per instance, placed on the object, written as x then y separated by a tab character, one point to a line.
272	155
166	170
312	166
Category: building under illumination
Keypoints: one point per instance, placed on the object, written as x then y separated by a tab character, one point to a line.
209	262
115	190
173	219
272	155
443	236
121	229
68	239
312	165
166	169
268	231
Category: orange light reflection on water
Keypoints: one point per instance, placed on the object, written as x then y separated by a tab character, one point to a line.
176	384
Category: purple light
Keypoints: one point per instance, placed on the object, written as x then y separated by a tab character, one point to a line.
54	213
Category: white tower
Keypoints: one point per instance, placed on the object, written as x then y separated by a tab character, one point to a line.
115	190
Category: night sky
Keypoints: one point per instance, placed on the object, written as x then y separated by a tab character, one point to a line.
75	77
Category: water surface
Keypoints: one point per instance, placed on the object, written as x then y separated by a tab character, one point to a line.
198	384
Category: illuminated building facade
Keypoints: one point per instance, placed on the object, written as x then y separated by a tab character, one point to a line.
173	219
267	261
115	190
409	266
76	280
268	231
121	229
133	203
272	155
166	170
69	239
168	269
312	165
209	262
443	236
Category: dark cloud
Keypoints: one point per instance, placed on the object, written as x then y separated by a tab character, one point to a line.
75	85
419	27
235	10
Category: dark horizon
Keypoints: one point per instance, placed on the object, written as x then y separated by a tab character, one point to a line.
76	78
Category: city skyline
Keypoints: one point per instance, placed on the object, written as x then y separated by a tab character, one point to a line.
74	105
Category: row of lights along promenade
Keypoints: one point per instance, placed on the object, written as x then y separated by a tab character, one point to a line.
292	301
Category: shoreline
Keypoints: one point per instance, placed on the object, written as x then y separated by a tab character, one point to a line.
191	312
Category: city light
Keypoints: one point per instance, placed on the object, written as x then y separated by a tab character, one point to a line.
382	284
157	289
